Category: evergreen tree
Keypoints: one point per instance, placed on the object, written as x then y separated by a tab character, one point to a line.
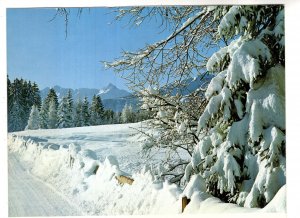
27	101
52	115
21	96
243	125
66	112
117	118
108	116
34	118
70	110
35	95
44	116
78	119
9	95
20	104
15	114
86	116
51	96
127	115
63	113
97	111
45	110
9	104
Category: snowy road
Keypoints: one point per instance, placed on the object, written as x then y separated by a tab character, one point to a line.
30	197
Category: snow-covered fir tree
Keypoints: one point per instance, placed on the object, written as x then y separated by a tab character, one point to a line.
117	117
21	95
9	96
86	116
52	122
66	112
34	118
127	115
26	97
108	116
15	114
44	116
238	142
45	110
51	96
34	95
241	154
70	114
97	111
78	117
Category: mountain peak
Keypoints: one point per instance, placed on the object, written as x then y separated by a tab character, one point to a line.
111	96
110	85
108	92
111	91
56	87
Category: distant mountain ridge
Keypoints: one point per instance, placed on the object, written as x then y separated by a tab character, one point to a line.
112	92
108	92
112	97
115	99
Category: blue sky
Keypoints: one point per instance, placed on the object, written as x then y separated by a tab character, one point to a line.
37	49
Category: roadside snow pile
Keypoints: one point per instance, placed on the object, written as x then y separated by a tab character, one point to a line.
93	184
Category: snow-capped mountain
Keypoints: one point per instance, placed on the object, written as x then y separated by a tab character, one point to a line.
112	97
112	92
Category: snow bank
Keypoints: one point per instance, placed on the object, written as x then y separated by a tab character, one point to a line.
91	183
278	203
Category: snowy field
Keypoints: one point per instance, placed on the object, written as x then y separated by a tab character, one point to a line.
116	140
79	166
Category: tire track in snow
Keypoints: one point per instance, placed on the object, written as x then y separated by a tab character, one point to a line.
28	196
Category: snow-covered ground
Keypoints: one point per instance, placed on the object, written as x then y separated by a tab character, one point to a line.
81	164
117	140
